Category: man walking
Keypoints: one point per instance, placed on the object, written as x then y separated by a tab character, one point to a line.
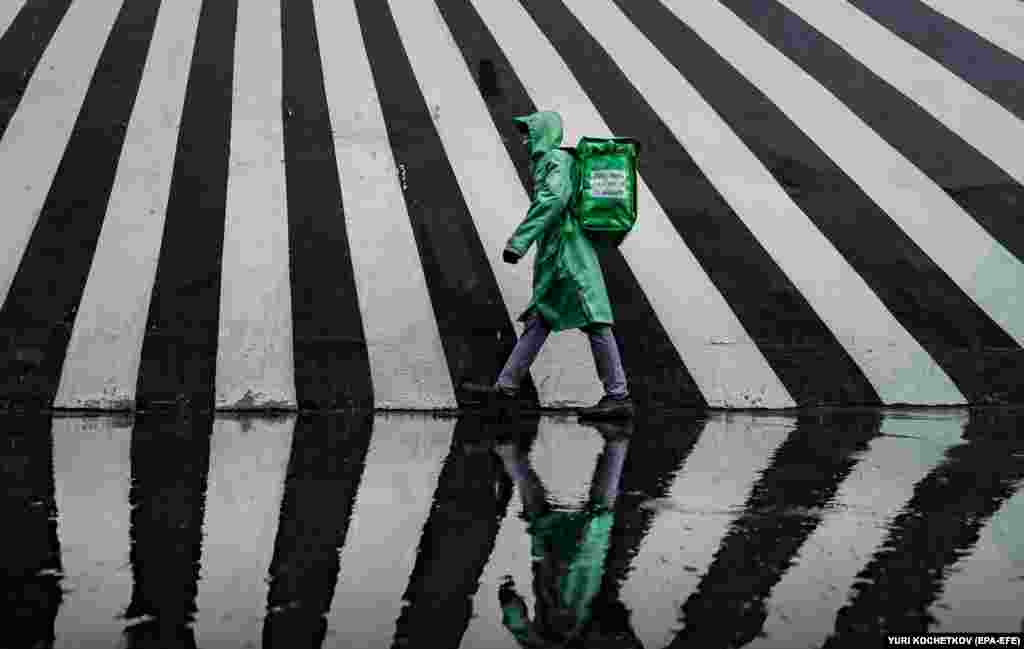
568	286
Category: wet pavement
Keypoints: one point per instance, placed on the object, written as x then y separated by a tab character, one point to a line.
357	530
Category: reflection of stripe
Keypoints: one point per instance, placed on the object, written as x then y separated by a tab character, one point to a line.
394	498
458	538
33	145
938	526
475	328
168	499
926	302
31	563
831	286
981	594
489	184
102	364
330	356
748	278
726	365
783	509
563	457
656	373
254	347
248	464
47	288
694	515
934	226
323	476
179	349
24	35
983	65
803	604
653	462
998	21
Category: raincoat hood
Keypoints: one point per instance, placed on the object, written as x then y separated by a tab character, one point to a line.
545	131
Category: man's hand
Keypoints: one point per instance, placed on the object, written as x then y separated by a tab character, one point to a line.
510	256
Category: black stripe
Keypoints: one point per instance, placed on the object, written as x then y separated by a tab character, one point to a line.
324	471
939	526
989	68
470	502
783	510
37	318
170	462
808	359
937	151
936	312
31	561
21	47
657	376
179	350
475	329
332	365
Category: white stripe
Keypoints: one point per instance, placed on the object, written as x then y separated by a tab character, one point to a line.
803	605
727	366
407	361
982	267
34	142
8	12
564	370
92	478
394	499
102	362
690	523
979	120
1001	22
254	349
984	591
895	364
248	462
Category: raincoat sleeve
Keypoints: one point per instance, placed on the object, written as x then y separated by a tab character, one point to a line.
551	197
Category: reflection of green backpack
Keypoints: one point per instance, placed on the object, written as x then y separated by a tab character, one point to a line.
605	200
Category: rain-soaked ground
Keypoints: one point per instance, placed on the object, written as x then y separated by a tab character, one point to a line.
364	530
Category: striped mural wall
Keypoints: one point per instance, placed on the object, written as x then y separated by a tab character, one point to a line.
302	203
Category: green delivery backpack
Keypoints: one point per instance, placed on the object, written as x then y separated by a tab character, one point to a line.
605	201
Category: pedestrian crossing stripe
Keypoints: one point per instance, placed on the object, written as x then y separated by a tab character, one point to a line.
299	204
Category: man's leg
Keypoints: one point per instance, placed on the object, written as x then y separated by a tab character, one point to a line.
616	403
608	361
523	355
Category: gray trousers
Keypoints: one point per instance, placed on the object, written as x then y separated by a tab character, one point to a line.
602	346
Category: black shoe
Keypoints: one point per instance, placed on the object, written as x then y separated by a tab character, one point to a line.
609	408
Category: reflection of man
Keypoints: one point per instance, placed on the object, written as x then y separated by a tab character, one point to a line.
568	550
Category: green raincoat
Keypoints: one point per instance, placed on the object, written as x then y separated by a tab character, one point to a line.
568	287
